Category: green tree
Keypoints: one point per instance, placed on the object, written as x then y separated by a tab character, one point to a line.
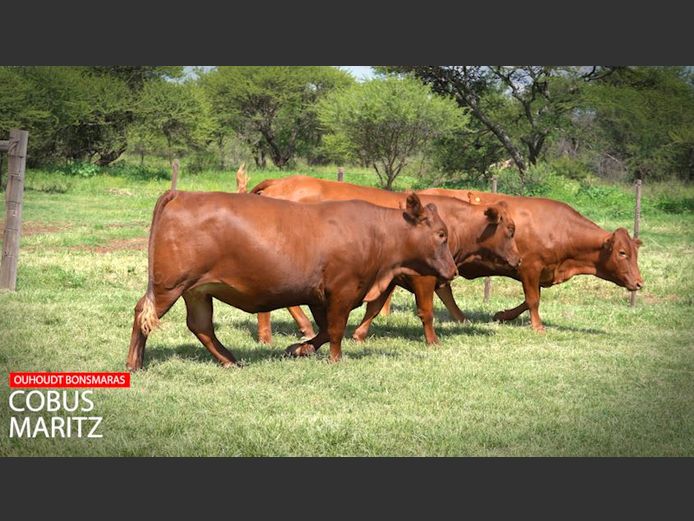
180	113
387	121
522	107
643	117
272	108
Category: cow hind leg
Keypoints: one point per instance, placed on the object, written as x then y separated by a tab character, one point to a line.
199	321
372	309
385	310
445	293
148	311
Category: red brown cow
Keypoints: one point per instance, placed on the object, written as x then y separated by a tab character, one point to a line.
556	243
483	232
255	254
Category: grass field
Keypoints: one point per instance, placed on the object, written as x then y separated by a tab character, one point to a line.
605	379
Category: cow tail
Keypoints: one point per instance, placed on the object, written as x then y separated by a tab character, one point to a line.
149	320
258	189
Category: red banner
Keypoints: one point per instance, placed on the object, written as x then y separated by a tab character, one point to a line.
63	380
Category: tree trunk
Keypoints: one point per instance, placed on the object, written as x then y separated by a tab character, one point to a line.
220	144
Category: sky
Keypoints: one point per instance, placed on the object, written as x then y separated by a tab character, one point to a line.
360	72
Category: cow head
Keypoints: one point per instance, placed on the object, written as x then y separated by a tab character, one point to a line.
618	261
498	236
428	240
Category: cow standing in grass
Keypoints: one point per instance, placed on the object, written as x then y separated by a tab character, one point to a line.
475	232
260	254
556	243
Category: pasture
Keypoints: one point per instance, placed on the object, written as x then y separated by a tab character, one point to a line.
605	380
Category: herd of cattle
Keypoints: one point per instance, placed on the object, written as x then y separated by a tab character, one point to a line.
333	245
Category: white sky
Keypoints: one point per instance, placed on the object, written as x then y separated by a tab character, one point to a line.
360	72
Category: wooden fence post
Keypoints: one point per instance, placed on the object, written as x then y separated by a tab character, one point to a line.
16	163
488	280
637	229
174	173
340	174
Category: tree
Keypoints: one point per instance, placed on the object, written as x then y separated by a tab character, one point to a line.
178	112
520	106
643	117
75	113
272	108
386	121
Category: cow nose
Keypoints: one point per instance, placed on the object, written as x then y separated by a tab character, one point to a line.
639	285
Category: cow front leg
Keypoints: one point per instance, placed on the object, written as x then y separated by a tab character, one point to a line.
312	345
445	293
511	314
338	313
372	309
264	328
531	287
424	296
199	321
302	322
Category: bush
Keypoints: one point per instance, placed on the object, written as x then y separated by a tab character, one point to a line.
80	169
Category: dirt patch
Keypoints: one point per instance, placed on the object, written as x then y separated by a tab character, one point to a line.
137	243
34	228
119	191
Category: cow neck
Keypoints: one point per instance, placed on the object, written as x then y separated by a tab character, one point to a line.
391	251
584	255
467	233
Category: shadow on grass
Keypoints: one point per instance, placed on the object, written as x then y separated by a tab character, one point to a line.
524	321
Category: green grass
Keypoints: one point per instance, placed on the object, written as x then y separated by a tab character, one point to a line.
605	379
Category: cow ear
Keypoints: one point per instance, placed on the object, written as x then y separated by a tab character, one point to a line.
608	242
472	198
493	215
638	242
414	211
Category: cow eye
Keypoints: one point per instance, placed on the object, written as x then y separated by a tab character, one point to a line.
442	234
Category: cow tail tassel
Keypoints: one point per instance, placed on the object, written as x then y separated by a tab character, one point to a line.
148	316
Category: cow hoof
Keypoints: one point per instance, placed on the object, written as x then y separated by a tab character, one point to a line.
500	316
232	365
301	349
539	329
133	368
358	338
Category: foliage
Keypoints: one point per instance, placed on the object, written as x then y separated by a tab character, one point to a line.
386	121
644	116
273	108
